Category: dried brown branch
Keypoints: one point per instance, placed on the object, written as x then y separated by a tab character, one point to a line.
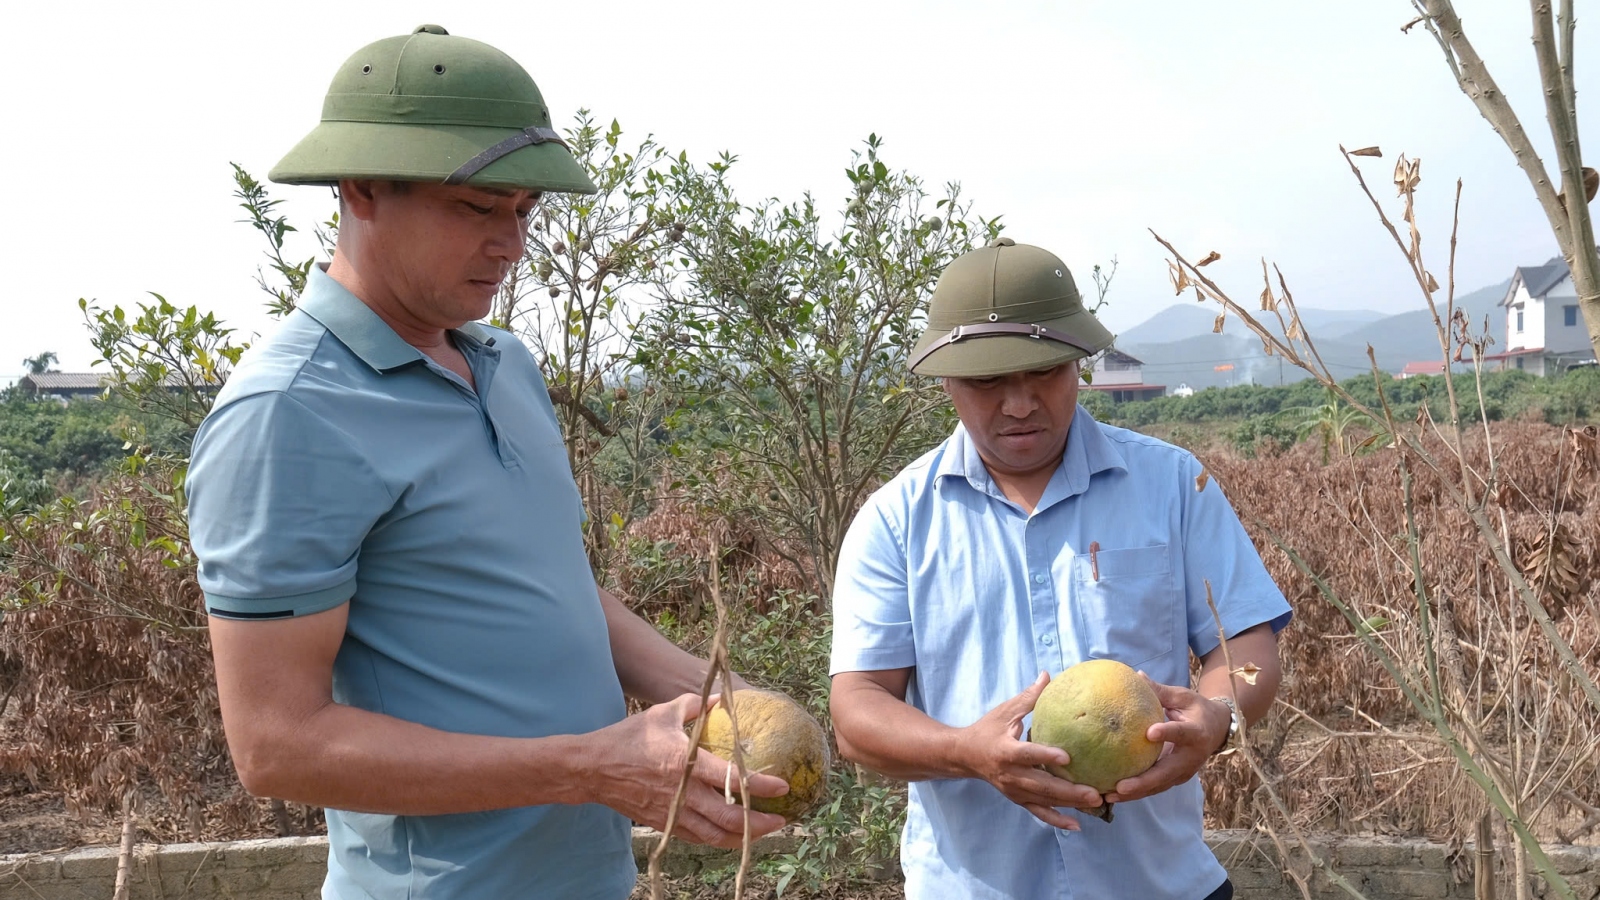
1315	859
717	667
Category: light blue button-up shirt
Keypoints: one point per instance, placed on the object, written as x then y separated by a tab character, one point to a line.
941	573
339	465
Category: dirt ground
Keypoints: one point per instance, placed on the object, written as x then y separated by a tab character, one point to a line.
32	822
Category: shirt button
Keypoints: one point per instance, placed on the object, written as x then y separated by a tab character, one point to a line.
1038	579
1048	640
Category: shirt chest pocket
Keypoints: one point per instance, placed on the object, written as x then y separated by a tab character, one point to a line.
1125	605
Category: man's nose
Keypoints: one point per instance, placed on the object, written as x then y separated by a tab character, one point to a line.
1018	401
509	233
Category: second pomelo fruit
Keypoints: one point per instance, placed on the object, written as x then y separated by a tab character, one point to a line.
776	737
1098	711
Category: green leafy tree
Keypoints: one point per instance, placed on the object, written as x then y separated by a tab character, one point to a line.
1335	425
164	360
261	214
38	365
576	299
788	341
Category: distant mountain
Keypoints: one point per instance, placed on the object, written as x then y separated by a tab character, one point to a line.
1190	353
1176	322
1477	304
1185	320
1332	323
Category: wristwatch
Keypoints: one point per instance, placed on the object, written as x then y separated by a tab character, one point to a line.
1235	725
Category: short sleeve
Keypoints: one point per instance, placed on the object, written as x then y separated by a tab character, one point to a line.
1216	550
871	599
280	501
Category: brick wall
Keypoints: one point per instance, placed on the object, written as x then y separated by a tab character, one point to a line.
292	869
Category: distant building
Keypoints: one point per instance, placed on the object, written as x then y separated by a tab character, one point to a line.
1183	390
75	385
65	385
1545	332
1122	377
1414	369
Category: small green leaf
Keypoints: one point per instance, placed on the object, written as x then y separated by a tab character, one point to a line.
1372	625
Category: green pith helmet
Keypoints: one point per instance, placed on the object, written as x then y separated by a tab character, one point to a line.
428	106
1005	308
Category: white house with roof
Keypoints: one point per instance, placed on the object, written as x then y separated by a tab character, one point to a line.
1545	333
1122	377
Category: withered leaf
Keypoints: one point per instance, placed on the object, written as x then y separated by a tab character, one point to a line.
1248	672
1211	257
1267	347
1268	302
1201	479
1295	333
1591	183
1180	278
1407	174
1367	151
1216	327
1433	284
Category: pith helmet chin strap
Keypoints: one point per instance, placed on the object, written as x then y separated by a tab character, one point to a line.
987	329
527	137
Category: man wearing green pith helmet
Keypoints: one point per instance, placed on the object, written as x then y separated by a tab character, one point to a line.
1035	538
405	626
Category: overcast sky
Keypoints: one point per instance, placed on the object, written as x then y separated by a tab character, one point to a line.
1083	123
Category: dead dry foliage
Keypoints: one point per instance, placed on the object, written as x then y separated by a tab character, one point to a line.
106	673
1345	744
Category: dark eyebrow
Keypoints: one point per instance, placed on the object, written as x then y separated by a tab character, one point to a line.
498	192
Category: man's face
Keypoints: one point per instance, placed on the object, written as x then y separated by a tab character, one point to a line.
443	250
1018	422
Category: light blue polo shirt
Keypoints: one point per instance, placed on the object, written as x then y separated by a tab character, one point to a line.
340	465
939	571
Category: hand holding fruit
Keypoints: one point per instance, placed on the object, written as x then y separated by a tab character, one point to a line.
993	750
776	737
641	760
1193	730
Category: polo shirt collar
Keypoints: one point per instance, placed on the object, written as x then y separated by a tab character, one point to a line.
1088	453
355	324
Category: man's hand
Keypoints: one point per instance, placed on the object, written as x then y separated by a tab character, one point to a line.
642	761
995	752
1194	729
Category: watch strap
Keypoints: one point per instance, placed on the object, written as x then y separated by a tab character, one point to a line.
1235	725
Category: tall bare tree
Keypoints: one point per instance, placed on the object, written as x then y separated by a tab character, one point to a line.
1574	230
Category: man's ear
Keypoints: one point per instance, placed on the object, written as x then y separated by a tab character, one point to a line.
358	198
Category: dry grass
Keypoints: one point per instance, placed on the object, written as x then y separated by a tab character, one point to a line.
1346	744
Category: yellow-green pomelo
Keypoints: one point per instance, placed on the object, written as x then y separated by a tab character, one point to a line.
776	737
1098	711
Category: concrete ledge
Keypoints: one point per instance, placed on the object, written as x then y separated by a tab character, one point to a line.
1383	868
